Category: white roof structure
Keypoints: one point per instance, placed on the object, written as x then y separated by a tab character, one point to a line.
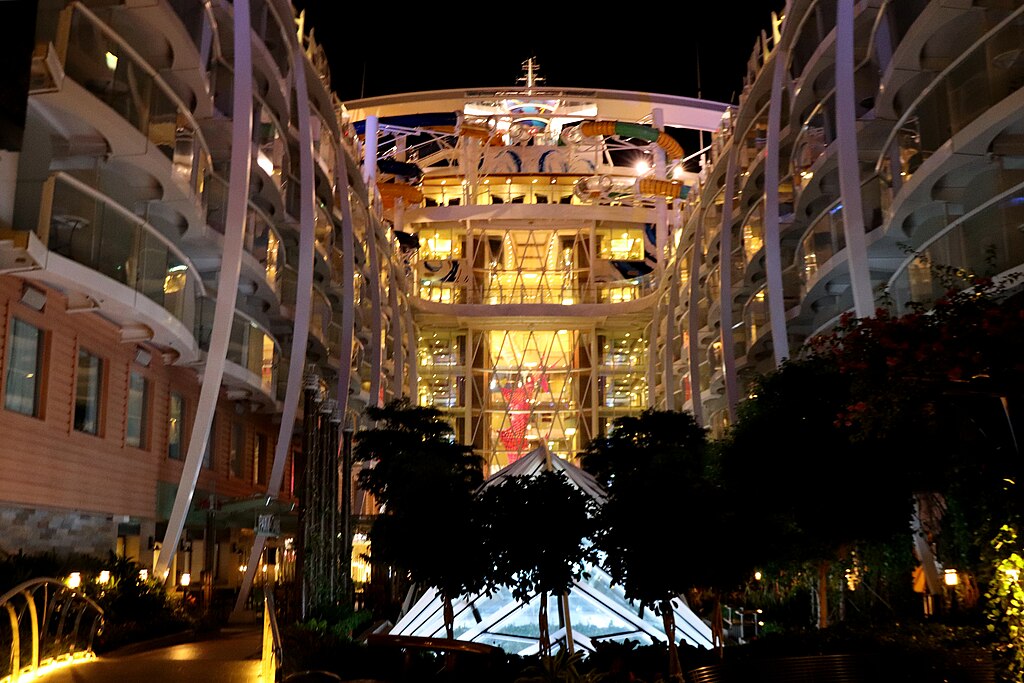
598	609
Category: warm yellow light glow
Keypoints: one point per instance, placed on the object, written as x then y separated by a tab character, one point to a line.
143	575
186	579
570	431
104	576
757	576
265	162
1013	574
74	580
951	577
111	60
678	173
642	167
243	567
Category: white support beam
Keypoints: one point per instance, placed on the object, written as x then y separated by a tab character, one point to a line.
849	165
303	304
772	246
725	260
227	284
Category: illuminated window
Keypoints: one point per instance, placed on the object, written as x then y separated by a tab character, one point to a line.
88	385
24	368
175	419
138	404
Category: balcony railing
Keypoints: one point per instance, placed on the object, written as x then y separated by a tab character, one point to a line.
96	57
981	77
250	346
93	230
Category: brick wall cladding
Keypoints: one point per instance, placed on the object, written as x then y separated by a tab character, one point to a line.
36	530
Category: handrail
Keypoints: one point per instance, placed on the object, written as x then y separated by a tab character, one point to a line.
71	638
150	71
140	222
273	648
911	110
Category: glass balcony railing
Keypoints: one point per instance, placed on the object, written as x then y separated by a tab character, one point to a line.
89	228
755	316
101	62
752	233
250	346
825	238
261	238
976	81
816	134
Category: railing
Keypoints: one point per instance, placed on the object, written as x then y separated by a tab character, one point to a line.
975	81
83	225
273	652
97	58
60	627
250	346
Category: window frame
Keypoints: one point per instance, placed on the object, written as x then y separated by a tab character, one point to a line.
100	409
144	440
39	383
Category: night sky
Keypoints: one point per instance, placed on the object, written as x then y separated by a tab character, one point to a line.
378	49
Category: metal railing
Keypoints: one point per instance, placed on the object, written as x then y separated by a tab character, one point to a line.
273	652
50	622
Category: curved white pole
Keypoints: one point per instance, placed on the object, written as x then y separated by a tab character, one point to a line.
303	298
227	283
772	248
849	165
348	314
693	323
732	395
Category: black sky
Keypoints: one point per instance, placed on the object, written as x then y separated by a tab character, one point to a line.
378	49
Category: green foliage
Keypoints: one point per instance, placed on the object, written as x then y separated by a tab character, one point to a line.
659	471
562	668
425	483
1005	598
535	533
797	478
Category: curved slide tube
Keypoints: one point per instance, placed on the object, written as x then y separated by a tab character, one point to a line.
673	150
671	189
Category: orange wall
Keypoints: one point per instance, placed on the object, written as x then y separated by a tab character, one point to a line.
46	462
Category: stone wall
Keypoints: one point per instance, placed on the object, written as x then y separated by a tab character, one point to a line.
35	530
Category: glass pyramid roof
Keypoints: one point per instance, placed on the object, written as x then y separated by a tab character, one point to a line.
598	610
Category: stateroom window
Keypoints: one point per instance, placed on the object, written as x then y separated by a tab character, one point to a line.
88	386
24	368
138	403
237	449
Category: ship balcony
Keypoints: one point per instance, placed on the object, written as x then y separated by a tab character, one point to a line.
99	81
113	262
265	251
253	357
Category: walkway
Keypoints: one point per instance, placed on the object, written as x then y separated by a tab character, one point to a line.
232	656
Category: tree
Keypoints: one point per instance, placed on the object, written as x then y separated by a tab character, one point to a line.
663	528
424	483
536	533
806	492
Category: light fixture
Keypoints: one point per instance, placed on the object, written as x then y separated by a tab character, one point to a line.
642	167
186	579
143	357
74	580
143	575
33	298
757	576
104	576
951	577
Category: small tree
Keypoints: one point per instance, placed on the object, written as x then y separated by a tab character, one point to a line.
537	529
424	483
663	527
